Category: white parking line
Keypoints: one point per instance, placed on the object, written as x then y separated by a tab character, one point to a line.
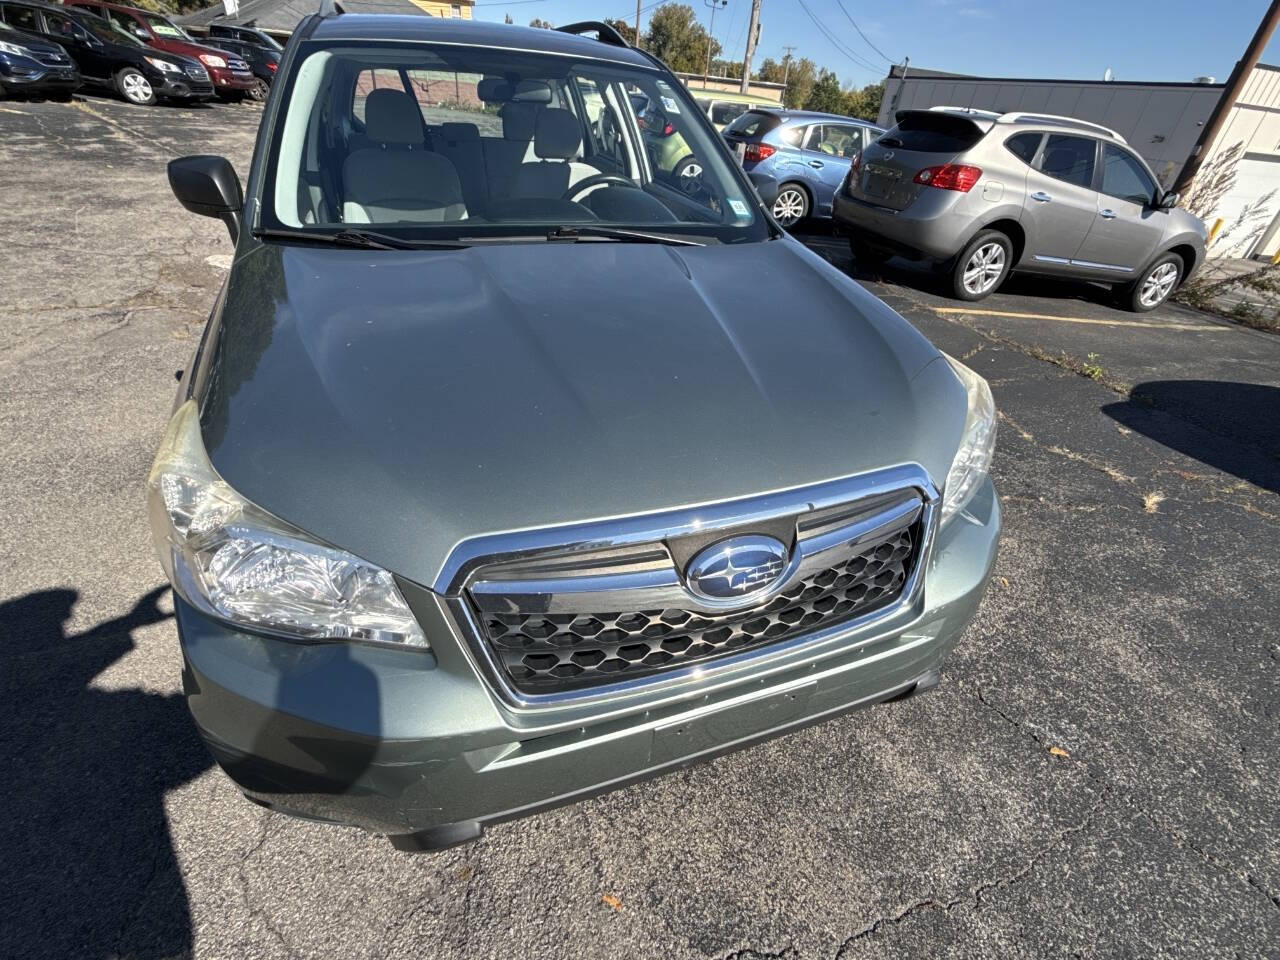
1202	327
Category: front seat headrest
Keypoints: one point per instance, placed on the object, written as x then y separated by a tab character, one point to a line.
392	116
557	134
518	119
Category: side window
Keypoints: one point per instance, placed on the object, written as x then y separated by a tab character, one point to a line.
833	139
367	82
60	27
792	135
724	112
812	136
24	18
1124	177
1069	159
1024	146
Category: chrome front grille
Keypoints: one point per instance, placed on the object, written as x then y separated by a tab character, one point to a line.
541	652
563	620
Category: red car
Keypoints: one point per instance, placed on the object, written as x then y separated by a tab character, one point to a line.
231	76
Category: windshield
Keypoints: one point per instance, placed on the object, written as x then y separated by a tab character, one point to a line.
430	143
164	28
109	32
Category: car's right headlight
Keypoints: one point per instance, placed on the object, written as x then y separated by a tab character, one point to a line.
234	561
164	65
14	50
212	60
977	444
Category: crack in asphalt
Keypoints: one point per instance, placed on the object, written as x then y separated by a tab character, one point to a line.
256	912
975	897
751	953
1183	840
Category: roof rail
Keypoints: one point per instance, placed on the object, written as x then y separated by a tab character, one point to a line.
604	33
1055	120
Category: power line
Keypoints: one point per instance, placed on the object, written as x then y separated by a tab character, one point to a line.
840	48
859	29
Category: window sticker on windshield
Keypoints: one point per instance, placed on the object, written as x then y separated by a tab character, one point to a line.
670	106
740	209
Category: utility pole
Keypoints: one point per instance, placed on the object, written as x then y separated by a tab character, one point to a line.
1230	94
637	24
711	32
786	64
753	37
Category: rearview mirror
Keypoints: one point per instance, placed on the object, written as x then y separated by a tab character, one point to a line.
766	186
209	186
1169	200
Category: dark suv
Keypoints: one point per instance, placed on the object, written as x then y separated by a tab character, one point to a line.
109	57
231	76
262	62
32	65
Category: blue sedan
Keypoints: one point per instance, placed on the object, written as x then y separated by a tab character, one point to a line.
807	153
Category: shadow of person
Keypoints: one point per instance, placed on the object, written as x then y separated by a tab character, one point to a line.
1234	427
89	870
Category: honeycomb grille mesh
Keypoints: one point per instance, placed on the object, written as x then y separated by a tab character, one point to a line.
546	653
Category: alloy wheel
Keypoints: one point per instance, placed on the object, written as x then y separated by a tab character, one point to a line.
1158	285
260	90
136	88
984	269
789	207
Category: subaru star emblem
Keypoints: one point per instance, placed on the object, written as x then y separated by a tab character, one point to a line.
737	570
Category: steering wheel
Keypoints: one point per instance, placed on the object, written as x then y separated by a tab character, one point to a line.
599	180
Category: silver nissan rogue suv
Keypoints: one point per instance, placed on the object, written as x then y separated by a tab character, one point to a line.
985	193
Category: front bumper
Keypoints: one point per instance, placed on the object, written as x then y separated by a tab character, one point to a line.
225	81
415	745
23	74
181	88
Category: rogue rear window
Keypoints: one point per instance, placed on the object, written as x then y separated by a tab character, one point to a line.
934	133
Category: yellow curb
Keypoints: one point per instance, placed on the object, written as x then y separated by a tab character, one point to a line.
1203	327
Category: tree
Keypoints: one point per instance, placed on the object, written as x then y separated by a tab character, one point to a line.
543	24
627	30
677	38
864	103
726	68
826	95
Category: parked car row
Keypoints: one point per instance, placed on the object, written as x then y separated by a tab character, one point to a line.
51	49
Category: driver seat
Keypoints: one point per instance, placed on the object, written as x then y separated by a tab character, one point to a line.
557	139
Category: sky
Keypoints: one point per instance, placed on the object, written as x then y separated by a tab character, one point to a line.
1170	40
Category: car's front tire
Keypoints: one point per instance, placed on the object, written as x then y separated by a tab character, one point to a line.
135	87
260	90
791	205
981	266
1155	285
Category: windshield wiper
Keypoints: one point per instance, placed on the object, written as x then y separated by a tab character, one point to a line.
365	239
617	233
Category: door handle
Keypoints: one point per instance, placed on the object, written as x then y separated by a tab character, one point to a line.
816	164
1041	197
1107	214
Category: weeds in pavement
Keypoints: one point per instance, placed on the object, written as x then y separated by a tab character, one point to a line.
1092	369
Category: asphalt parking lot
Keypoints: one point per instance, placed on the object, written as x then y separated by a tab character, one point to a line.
1098	774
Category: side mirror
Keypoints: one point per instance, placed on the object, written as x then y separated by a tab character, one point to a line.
1169	200
209	186
766	186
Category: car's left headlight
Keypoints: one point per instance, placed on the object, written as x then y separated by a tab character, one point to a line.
164	65
977	444
234	561
15	50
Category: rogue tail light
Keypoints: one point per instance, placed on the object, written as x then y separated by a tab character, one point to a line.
668	129
950	176
755	152
272	65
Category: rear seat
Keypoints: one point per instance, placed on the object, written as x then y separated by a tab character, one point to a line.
502	158
461	143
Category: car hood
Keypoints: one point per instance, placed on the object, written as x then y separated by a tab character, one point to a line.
395	403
